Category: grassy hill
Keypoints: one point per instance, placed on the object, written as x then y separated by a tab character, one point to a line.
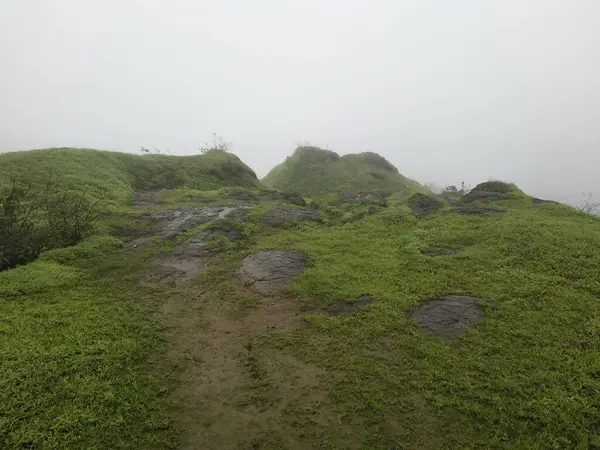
113	176
315	172
99	351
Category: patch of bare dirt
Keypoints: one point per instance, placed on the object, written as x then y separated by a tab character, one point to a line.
146	199
231	390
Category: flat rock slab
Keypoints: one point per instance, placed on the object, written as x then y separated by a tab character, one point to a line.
172	222
364	197
486	196
541	201
188	259
267	272
281	217
347	308
476	210
424	205
449	315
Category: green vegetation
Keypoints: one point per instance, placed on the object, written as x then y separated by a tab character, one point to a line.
526	378
112	177
315	172
98	352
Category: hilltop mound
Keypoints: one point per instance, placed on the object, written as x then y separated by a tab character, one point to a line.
113	176
315	172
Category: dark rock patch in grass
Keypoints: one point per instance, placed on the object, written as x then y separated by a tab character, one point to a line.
267	272
449	315
492	186
476	210
485	196
281	217
188	259
172	222
540	201
377	197
424	205
347	308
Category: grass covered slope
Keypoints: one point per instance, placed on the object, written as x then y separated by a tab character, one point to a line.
526	377
315	172
112	176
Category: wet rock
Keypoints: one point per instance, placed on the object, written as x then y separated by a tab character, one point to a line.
492	186
289	197
172	222
244	195
347	308
476	210
539	201
188	259
449	315
485	196
267	272
424	205
281	217
377	197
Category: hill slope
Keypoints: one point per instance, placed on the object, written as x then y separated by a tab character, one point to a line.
315	172
113	176
469	322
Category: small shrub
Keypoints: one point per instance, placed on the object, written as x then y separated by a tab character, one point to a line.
218	144
70	217
19	238
460	192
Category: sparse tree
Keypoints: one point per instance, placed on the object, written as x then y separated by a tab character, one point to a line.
461	192
588	205
218	144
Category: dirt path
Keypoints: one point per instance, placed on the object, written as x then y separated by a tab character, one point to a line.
231	391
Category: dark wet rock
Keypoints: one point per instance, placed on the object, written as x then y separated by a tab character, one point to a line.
188	259
492	186
476	210
267	272
347	308
486	196
377	197
281	217
440	251
424	205
289	197
244	195
540	201
449	315
172	222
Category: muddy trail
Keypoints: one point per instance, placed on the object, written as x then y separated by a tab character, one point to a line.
230	386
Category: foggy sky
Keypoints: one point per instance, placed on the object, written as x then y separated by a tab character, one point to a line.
447	90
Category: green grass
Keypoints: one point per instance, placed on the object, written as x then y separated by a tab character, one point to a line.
112	177
82	351
315	173
526	378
